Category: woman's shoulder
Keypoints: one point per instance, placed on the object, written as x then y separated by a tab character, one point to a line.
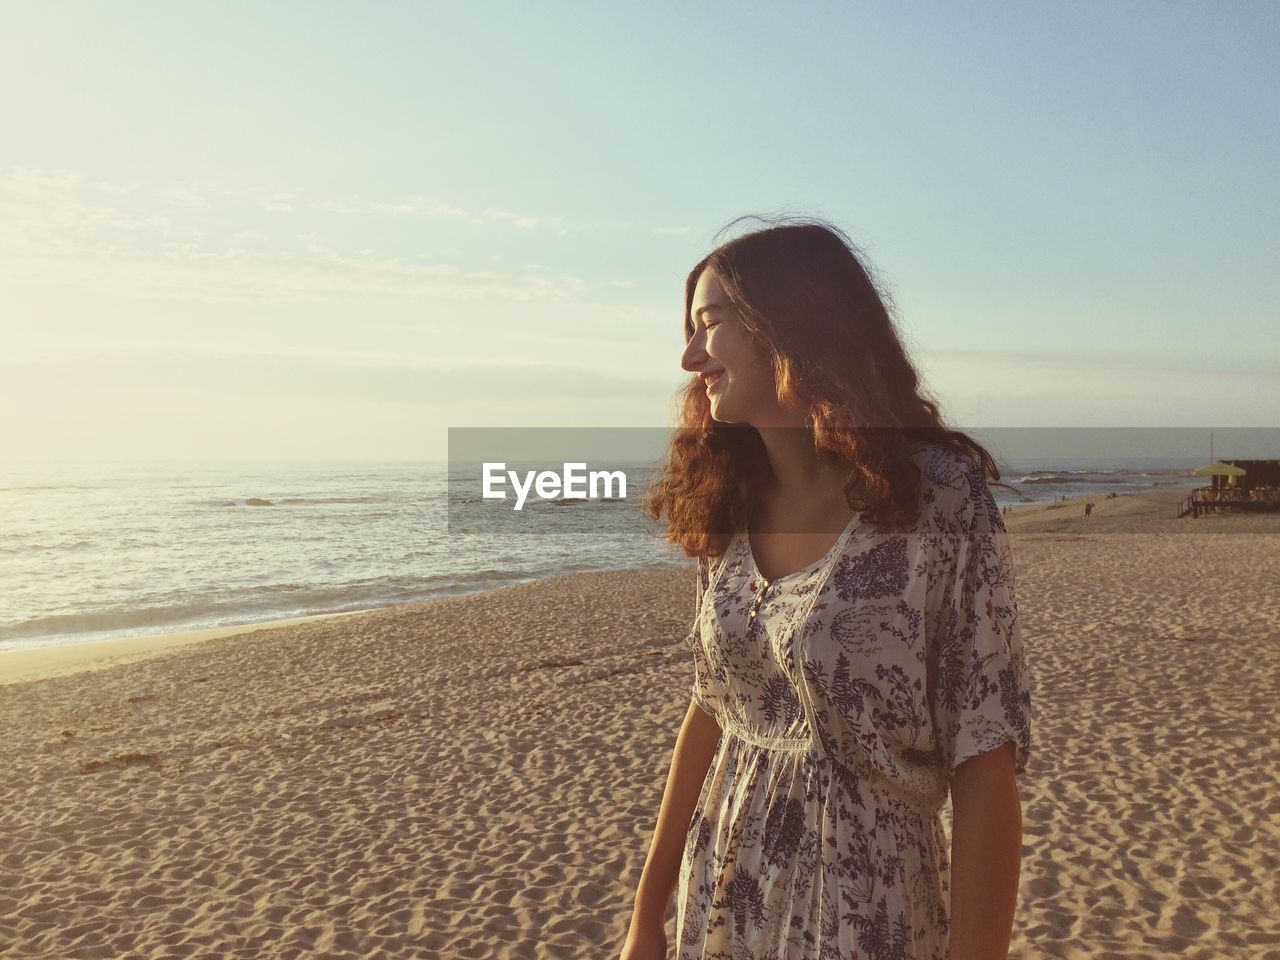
943	466
955	495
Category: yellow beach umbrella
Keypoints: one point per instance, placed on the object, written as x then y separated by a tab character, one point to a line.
1218	469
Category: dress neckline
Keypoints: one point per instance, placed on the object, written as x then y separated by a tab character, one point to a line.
818	564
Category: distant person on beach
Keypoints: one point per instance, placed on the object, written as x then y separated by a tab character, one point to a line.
851	557
1088	509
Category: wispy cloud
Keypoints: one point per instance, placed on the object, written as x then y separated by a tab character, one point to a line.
1124	364
414	205
239	274
58	227
519	220
377	378
278	202
115	189
195	241
418	205
45	210
184	195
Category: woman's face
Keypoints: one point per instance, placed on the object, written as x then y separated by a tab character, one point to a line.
736	372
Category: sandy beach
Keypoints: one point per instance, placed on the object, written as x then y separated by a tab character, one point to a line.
479	776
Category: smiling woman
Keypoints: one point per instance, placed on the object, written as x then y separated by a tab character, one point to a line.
855	636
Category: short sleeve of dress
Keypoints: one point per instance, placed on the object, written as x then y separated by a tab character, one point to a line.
708	692
982	696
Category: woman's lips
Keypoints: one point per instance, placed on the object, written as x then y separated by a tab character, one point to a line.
714	379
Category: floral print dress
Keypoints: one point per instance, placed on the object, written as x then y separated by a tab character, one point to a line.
846	701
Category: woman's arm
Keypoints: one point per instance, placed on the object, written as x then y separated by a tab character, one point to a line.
986	855
694	750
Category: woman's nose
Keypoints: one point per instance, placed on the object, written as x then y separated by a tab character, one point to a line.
693	357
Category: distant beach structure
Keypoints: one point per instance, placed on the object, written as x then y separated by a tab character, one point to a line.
1236	486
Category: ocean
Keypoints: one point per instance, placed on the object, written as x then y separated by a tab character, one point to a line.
90	551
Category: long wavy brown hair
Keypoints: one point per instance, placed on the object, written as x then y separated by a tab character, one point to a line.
801	289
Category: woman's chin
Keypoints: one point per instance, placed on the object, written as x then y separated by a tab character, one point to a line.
721	411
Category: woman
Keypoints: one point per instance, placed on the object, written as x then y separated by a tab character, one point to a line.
856	651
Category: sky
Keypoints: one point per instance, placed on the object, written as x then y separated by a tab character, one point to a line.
317	231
